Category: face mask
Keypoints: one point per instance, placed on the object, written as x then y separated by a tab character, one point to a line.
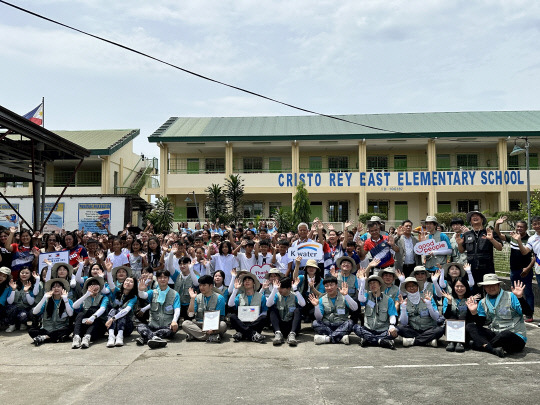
414	297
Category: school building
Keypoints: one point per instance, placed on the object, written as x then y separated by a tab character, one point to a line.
109	186
405	165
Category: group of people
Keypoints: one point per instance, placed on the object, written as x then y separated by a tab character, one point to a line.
367	283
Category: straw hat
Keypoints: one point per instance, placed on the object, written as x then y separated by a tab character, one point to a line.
89	279
273	271
447	266
490	279
375	278
63	281
432	218
347	259
402	289
126	268
54	270
471	213
256	282
311	263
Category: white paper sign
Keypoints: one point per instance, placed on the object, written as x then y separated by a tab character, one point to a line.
248	313
428	246
53	257
260	271
211	320
455	331
308	250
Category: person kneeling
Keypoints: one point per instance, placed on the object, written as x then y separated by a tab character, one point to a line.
332	323
251	306
504	311
284	310
419	316
164	312
207	301
380	314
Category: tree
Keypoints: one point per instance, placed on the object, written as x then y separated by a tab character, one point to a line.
234	191
302	208
216	207
284	219
161	216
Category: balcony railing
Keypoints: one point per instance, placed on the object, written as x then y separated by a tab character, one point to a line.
82	179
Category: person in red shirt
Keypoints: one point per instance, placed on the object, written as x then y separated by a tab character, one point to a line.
23	253
75	250
380	246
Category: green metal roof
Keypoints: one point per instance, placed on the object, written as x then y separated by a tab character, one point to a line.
403	125
100	141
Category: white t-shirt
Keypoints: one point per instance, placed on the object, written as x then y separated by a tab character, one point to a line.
244	263
264	259
120	260
282	262
534	244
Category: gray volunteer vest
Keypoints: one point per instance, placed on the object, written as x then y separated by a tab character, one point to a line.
55	322
377	318
504	316
351	282
182	286
459	310
202	307
331	310
20	300
392	292
87	304
256	300
161	316
419	317
434	261
286	306
118	305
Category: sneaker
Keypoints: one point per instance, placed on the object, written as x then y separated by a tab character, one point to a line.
450	347
110	341
85	342
291	339
10	328
213	339
460	348
190	338
434	343
278	339
24	327
387	343
362	342
237	337
529	319
140	341
345	340
319	339
157	343
39	339
498	351
408	342
257	337
76	342
119	341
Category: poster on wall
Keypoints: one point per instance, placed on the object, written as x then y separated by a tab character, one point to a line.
95	217
8	217
56	220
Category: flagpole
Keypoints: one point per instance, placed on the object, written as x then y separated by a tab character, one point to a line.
43	109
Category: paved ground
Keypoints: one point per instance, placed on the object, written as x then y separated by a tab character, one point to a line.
251	373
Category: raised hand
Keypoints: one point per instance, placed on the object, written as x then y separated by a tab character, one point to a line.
64	294
488	235
516	236
27	286
344	290
314	301
233	272
237	283
142	284
374	263
399	273
447	296
266	284
58	247
436	276
333	271
402	301
298	260
331	227
466	267
472	304
47	262
35	275
296	283
361	273
400	230
391	240
108	265
459	239
500	221
518	289
427	296
13	284
49	294
192	293
347	224
277	284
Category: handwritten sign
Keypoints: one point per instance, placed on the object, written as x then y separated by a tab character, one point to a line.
260	271
429	246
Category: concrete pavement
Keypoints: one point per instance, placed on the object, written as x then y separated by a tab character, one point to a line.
252	373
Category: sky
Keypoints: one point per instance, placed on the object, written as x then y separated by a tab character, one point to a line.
333	57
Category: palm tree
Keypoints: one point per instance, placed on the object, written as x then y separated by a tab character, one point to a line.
215	202
161	216
234	191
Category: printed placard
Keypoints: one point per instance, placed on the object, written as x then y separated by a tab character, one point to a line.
308	250
260	271
428	246
94	217
455	331
248	313
53	257
56	220
211	320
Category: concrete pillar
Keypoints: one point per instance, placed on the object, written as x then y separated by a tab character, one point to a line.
502	154
105	175
295	157
229	161
163	169
362	167
432	166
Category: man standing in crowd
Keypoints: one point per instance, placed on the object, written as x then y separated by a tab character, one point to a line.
406	259
379	246
521	266
440	257
456	224
478	243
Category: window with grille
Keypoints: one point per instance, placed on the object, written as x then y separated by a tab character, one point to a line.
400	163
215	165
338	163
253	165
377	163
468	205
467	161
338	211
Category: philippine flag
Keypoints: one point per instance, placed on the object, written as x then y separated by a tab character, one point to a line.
36	115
